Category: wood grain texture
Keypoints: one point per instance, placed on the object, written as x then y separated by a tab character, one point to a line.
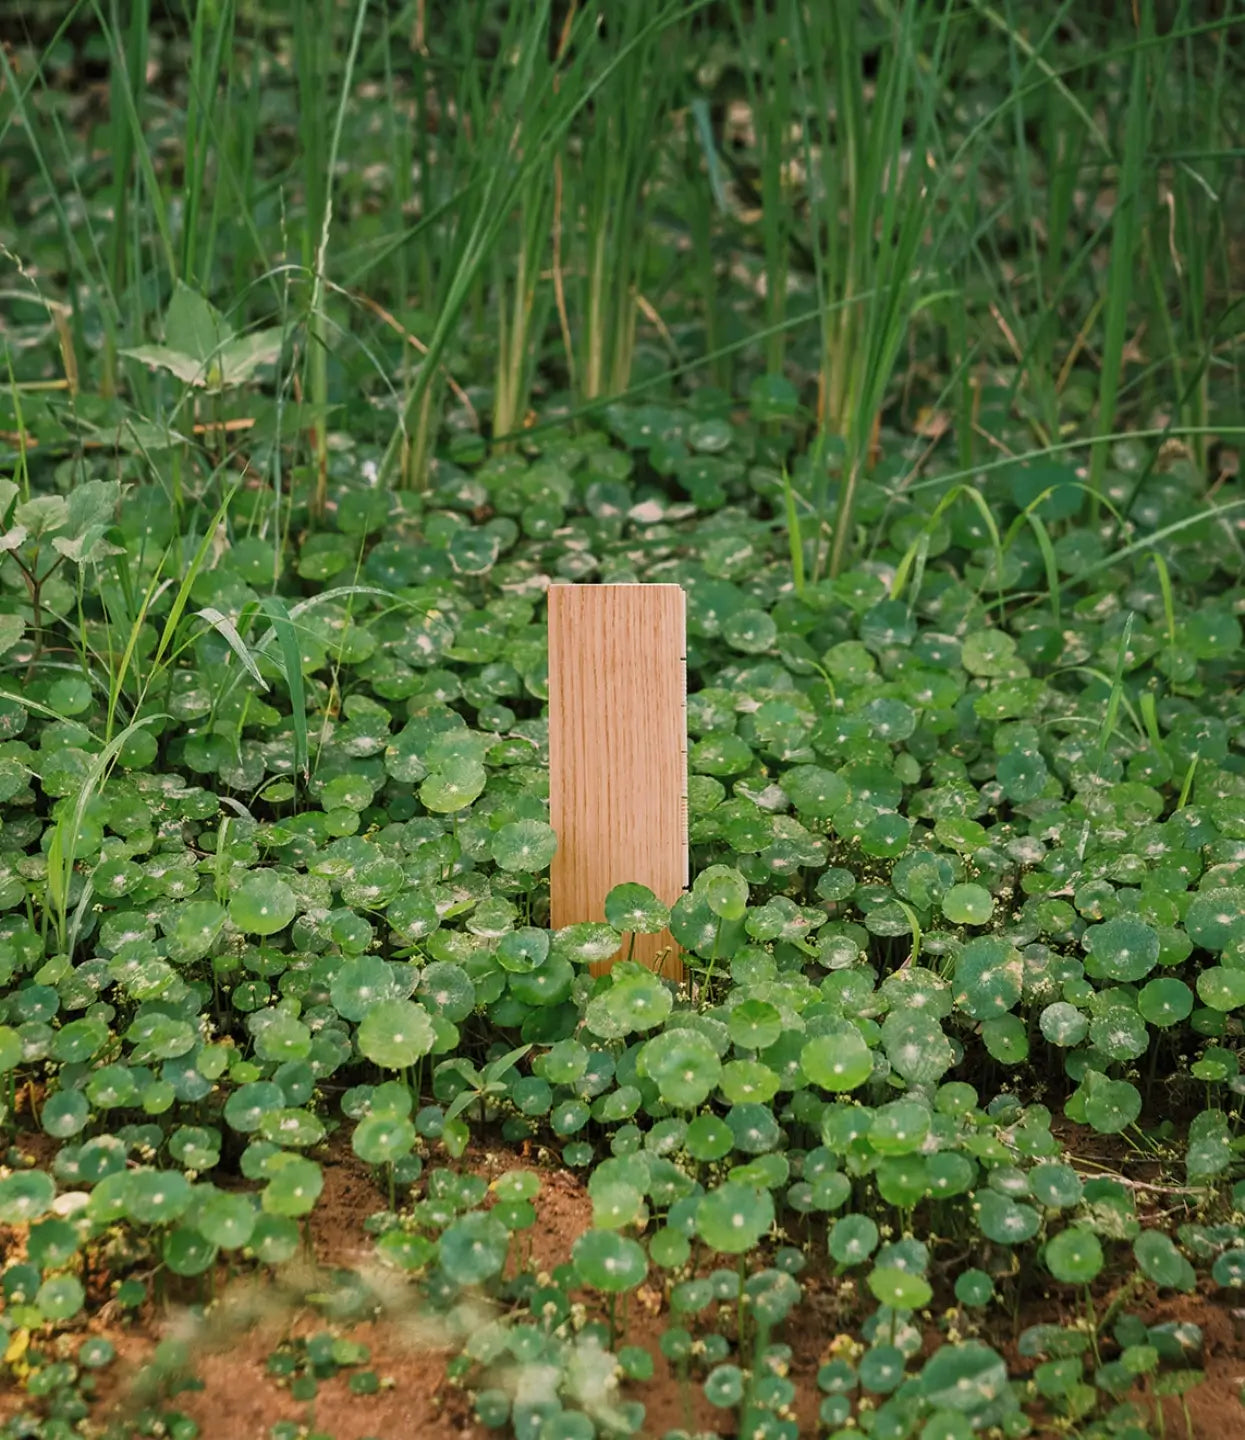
618	751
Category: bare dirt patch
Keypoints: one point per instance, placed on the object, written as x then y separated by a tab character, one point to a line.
235	1397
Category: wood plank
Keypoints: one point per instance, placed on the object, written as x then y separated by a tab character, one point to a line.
618	751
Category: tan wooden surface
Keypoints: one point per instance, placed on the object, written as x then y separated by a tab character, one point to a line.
618	751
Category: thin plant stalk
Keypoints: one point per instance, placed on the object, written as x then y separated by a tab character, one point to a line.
867	158
1126	231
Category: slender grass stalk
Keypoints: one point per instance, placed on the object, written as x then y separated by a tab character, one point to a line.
164	652
63	847
770	74
128	58
400	147
292	668
868	157
509	126
86	268
520	319
1186	246
851	110
1038	369
467	190
609	167
211	45
795	537
701	207
1110	716
127	82
1126	230
321	162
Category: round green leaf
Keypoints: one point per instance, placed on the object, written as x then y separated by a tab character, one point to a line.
1006	1037
10	1049
396	1033
25	1196
156	1197
525	846
1216	917
609	1262
1160	1261
968	904
683	1065
632	908
814	792
1074	1256
916	1046
989	977
382	1139
709	1138
453	786
65	1113
1110	1105
837	1062
360	983
1119	1032
187	1252
734	1217
853	1239
1221	989
724	1386
1165	1002
227	1219
474	1248
633	1003
899	1289
974	1288
969	1378
1003	1220
60	1298
724	890
1063	1024
1125	949
293	1188
1055	1185
262	904
1229	1269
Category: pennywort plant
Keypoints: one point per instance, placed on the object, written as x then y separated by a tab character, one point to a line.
954	1080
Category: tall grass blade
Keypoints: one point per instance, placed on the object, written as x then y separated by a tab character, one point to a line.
1126	230
63	846
292	667
228	632
317	323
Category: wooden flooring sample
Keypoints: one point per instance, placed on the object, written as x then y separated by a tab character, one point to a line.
618	751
